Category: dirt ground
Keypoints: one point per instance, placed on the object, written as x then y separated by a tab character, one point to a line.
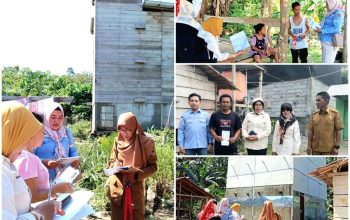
162	214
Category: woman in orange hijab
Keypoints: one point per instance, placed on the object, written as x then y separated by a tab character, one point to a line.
268	213
132	149
213	28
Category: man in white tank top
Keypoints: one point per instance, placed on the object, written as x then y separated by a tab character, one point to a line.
298	28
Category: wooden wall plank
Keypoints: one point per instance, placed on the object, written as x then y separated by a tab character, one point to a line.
340	200
340	185
340	212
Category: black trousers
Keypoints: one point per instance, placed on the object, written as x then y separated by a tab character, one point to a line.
225	150
257	152
299	53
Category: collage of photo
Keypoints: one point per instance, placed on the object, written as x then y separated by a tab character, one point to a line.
261	90
174	109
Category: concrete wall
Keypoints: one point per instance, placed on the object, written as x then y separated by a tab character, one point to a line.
190	79
133	61
300	93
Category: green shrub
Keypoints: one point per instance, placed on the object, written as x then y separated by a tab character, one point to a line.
81	129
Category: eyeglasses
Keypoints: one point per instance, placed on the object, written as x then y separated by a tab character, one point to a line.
285	109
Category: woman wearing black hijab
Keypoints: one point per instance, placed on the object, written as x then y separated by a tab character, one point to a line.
286	137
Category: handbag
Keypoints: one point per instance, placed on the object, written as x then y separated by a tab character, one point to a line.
338	40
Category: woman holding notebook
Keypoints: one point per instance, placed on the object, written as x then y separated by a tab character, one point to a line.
19	130
135	156
256	128
58	141
35	174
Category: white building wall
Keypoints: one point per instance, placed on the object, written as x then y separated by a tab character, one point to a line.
259	171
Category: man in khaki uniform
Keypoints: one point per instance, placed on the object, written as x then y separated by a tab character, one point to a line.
324	128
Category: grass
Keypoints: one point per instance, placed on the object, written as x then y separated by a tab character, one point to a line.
242	151
314	50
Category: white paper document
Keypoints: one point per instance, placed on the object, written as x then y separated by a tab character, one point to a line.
313	24
68	160
225	138
68	176
113	170
78	207
239	41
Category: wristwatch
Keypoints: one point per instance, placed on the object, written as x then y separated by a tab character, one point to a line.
37	215
337	146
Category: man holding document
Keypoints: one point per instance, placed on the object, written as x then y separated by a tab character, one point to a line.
225	126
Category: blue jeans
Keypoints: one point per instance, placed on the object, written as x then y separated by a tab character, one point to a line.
196	151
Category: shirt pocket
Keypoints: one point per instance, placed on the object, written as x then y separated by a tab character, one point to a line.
316	123
330	121
203	122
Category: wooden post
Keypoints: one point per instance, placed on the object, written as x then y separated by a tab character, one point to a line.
269	15
263	8
284	30
234	91
260	83
345	46
217	11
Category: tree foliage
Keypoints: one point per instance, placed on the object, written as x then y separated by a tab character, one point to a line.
254	8
208	173
26	82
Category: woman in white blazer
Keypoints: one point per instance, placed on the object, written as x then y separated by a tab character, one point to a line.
286	137
256	128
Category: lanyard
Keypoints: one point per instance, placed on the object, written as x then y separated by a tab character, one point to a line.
127	203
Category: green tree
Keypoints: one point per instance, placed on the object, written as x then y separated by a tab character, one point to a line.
25	82
208	173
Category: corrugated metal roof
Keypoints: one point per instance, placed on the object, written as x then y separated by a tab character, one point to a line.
326	173
214	75
339	90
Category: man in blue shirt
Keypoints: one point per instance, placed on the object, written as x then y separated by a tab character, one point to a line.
193	132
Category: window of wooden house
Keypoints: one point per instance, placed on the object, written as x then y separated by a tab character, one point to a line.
106	117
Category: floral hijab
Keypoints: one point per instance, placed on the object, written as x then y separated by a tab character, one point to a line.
56	136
